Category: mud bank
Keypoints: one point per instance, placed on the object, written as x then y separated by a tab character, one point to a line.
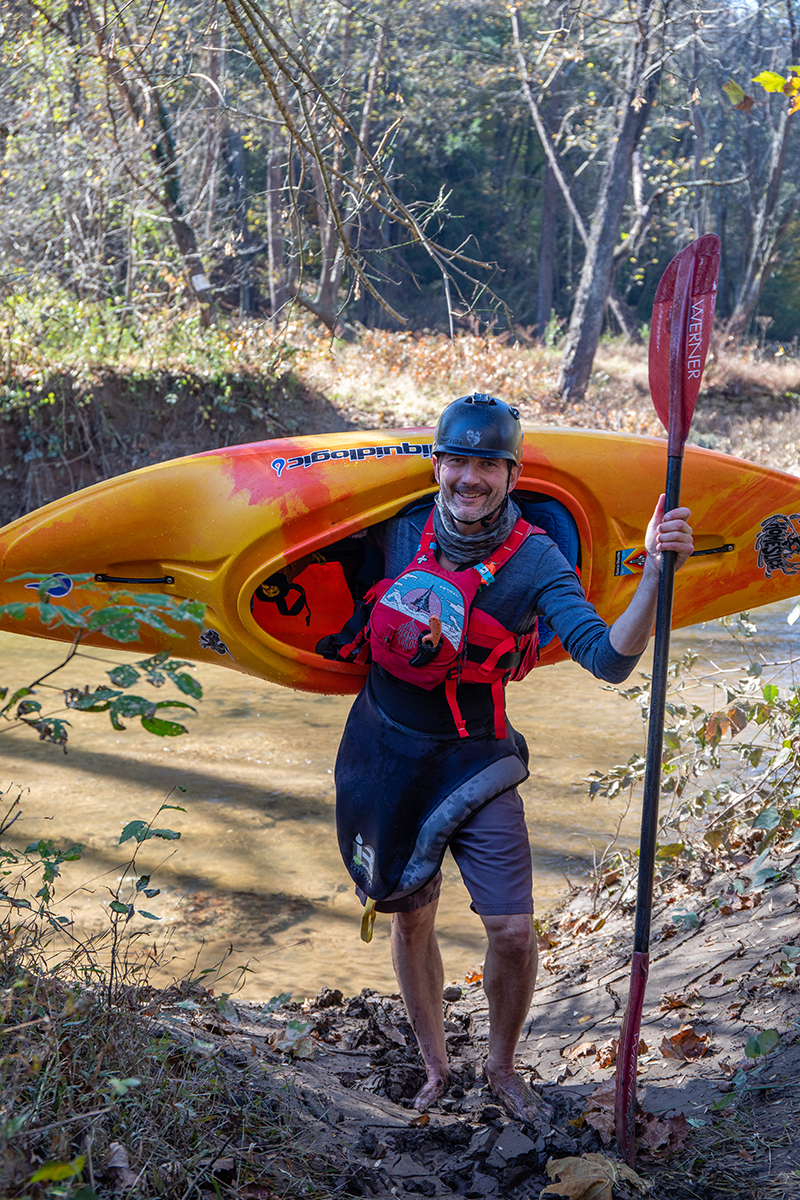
60	434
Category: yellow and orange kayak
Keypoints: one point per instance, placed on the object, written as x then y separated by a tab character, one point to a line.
212	527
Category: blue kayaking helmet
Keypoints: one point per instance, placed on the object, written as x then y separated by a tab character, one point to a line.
479	426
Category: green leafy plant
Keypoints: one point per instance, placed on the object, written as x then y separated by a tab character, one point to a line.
121	620
729	771
745	1079
730	798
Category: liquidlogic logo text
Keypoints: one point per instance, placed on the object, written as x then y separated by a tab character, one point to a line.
351	454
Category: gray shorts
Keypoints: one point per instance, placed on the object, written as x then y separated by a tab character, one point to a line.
494	857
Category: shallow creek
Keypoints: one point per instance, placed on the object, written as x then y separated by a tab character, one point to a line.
257	866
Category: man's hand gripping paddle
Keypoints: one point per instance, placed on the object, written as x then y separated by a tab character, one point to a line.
683	314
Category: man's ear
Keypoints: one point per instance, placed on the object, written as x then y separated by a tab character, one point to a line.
435	459
513	476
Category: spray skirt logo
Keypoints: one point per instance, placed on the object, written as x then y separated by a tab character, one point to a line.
420	596
778	544
363	861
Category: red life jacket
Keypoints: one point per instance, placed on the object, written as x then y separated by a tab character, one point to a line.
473	648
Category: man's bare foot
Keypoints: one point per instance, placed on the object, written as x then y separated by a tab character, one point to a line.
519	1101
433	1090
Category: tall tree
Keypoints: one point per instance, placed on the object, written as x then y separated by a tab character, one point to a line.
773	204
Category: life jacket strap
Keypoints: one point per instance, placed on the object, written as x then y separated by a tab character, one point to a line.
490	663
450	692
498	696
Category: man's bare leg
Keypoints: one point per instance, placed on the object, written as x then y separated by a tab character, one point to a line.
509	977
418	967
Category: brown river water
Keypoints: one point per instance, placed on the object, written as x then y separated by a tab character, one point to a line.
256	875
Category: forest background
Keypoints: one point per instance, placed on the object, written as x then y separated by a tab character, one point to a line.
446	165
222	221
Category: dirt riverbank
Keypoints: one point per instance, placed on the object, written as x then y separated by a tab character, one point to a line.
717	1119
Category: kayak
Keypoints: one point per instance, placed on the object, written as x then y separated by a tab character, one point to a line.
220	527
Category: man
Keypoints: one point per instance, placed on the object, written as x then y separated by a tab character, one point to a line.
427	759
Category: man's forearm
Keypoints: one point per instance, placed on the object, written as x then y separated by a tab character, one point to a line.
631	632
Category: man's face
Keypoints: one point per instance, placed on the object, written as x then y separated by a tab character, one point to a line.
472	487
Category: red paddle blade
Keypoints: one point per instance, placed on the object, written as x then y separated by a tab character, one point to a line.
683	315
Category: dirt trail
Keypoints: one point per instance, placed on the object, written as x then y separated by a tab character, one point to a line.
714	1123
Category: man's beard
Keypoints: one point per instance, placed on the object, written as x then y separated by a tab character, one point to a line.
468	514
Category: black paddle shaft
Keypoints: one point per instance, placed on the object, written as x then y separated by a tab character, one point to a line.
655	732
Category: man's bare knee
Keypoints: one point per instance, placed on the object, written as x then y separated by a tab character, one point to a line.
511	937
415	926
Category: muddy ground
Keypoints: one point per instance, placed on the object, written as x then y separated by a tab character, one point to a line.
717	1118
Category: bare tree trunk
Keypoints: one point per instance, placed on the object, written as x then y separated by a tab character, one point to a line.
210	184
700	205
768	231
766	236
547	253
598	265
277	280
237	169
163	153
325	304
547	237
620	310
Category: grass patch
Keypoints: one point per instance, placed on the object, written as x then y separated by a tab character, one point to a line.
104	1084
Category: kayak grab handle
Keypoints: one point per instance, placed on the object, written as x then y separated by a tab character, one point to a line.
713	550
99	578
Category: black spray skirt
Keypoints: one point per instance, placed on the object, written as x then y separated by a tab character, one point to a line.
401	795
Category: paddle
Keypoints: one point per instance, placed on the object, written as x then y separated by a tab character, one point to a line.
683	313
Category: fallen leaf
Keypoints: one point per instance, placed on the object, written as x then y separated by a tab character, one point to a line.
420	1121
473	977
590	1177
686	1044
680	999
657	1133
223	1164
392	1034
607	1053
579	1051
599	1110
117	1167
294	1038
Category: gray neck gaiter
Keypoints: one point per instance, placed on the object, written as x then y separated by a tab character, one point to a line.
463	548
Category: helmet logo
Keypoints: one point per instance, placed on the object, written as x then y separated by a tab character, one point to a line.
473	436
